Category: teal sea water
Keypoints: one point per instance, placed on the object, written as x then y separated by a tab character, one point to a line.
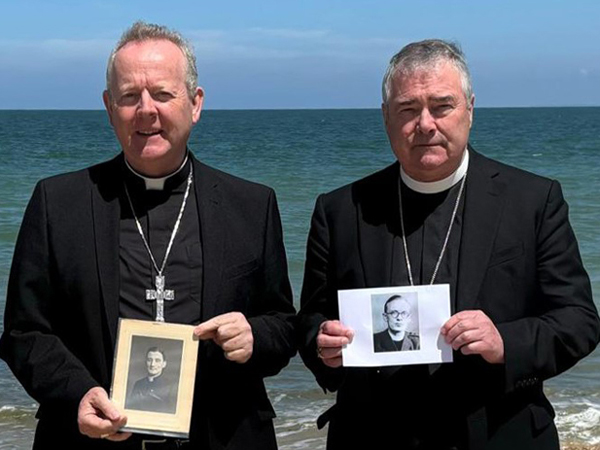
301	154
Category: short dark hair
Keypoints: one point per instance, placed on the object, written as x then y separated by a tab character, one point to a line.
391	299
157	350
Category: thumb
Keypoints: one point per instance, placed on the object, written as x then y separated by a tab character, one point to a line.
103	404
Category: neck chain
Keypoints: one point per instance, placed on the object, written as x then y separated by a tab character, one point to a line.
160	294
439	260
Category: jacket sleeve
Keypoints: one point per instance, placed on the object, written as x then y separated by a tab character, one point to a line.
273	313
567	328
318	299
48	371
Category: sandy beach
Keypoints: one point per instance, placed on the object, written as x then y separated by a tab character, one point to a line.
568	446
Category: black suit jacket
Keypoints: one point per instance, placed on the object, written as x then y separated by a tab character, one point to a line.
519	262
63	302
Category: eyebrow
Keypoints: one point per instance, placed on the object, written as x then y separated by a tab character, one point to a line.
440	99
443	99
406	102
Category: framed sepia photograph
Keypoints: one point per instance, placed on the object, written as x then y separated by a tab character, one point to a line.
154	375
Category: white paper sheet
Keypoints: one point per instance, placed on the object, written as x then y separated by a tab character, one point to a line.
362	310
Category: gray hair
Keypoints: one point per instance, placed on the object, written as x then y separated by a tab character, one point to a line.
427	54
142	31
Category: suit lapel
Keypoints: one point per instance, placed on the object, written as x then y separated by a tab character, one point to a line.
105	210
378	218
208	202
484	203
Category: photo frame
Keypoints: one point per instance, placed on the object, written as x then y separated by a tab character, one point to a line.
154	375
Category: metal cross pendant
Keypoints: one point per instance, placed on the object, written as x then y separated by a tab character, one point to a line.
160	294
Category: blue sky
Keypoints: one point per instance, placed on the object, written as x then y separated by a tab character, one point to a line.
305	54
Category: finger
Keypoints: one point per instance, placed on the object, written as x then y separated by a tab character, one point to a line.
335	328
453	333
329	353
478	348
240	355
102	403
454	320
118	437
333	362
325	341
207	330
233	329
244	340
466	338
96	427
490	349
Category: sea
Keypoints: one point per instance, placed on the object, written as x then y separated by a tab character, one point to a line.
302	153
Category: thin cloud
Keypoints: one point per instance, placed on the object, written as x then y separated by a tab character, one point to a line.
280	43
289	33
52	52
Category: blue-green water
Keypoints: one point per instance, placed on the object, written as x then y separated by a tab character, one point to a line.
301	154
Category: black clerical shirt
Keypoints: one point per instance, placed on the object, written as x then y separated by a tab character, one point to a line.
157	212
426	221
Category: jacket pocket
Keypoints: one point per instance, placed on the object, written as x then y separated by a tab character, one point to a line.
541	417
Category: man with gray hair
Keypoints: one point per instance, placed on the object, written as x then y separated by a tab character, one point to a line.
521	302
152	234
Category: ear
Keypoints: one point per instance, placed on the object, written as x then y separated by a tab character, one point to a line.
471	109
384	112
197	102
107	105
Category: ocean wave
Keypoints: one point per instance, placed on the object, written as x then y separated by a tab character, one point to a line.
580	427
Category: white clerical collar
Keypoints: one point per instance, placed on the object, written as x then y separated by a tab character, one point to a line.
434	187
156	184
395	336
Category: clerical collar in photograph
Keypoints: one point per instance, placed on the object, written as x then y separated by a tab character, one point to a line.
159	183
435	187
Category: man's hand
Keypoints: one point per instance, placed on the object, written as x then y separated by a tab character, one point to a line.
231	332
474	334
99	418
330	340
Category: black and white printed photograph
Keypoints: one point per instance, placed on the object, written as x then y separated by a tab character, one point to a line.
153	379
395	322
395	325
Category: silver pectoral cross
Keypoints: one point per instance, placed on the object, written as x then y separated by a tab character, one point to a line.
160	294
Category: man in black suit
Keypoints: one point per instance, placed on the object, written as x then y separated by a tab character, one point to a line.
397	315
154	392
151	224
500	237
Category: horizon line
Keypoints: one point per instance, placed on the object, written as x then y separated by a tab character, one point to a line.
305	109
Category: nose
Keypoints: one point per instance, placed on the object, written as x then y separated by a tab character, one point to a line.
146	106
425	122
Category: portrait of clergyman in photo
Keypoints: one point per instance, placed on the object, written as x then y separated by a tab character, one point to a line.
153	378
395	322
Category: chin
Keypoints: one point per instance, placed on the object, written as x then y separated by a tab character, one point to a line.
154	152
433	159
